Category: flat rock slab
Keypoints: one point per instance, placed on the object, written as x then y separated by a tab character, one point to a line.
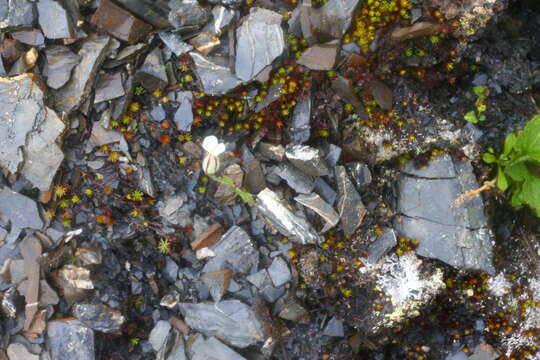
259	41
120	23
60	61
68	340
16	13
215	77
20	210
55	20
231	321
210	349
455	234
75	92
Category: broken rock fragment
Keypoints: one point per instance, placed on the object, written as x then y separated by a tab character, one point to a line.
20	210
455	234
55	20
210	349
68	340
16	14
74	93
297	228
187	13
60	61
307	159
300	125
152	74
218	282
350	207
109	86
216	78
332	19
323	209
183	118
231	321
120	23
99	317
259	41
320	56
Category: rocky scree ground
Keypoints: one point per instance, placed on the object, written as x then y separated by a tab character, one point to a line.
321	223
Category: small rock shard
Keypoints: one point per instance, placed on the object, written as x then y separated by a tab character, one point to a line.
415	31
300	125
205	42
208	238
334	327
32	37
60	61
99	317
279	272
55	20
216	79
158	335
296	179
68	340
320	56
210	349
381	245
307	159
231	321
259	41
174	42
71	96
17	351
350	207
293	226
288	308
323	209
332	19
120	23
16	14
382	93
218	282
187	13
20	210
183	118
71	276
109	86
152	74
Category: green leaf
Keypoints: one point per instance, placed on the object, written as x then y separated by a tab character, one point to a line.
528	142
502	181
489	158
531	192
517	171
509	143
482	117
471	117
517	199
245	196
479	90
225	180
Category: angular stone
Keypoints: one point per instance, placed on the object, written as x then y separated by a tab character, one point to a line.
330	21
484	351
381	245
300	125
120	23
71	276
233	251
154	12
159	333
294	227
289	308
216	79
324	210
187	13
32	37
210	349
109	86
268	151
71	96
350	207
259	41
334	327
230	321
217	282
415	31
175	43
99	317
297	180
360	173
205	42
208	238
55	20
43	156
20	210
274	93
178	350
183	118
68	340
307	159
60	61
152	74
222	18
455	234
17	351
382	94
158	113
325	191
16	13
320	56
255	181
279	272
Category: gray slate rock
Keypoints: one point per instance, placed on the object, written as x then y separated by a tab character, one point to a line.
296	228
230	321
334	327
259	41
279	272
55	20
323	209
381	245
262	281
300	125
99	317
455	234
16	14
109	86
187	13
233	251
71	96
159	333
360	173
68	340
296	179
183	118
60	61
20	210
178	349
307	159
174	42
17	351
32	37
152	74
210	349
216	78
350	207
331	20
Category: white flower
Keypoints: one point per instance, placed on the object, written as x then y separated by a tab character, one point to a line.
213	146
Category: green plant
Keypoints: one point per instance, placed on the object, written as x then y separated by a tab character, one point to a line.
243	194
518	167
477	115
